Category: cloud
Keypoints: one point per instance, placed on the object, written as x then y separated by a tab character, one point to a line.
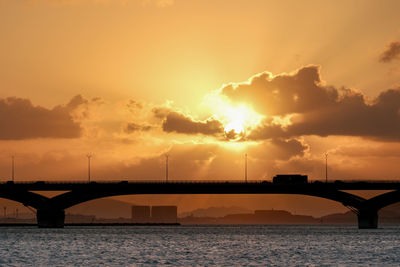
285	149
313	108
161	112
177	122
133	105
350	116
19	119
279	149
392	52
135	127
301	91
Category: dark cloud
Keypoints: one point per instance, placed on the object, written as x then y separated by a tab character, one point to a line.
19	119
317	109
392	52
232	135
278	149
161	113
177	122
350	116
285	149
298	92
134	127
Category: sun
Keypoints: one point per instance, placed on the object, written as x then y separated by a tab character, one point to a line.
234	131
237	119
235	126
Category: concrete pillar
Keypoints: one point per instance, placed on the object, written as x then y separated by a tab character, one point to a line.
367	219
50	218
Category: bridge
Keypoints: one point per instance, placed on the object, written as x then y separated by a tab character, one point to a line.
50	212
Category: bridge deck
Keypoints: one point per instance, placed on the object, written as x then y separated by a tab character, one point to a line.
173	185
51	211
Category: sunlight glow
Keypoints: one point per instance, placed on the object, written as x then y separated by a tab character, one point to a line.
237	119
235	126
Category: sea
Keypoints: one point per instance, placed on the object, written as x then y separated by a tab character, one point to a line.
206	245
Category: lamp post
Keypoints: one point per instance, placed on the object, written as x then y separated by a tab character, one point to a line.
326	167
89	156
12	167
166	167
245	168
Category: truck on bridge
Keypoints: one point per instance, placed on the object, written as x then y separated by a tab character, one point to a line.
290	179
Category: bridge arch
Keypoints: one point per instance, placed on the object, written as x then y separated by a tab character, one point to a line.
51	211
26	198
383	200
72	198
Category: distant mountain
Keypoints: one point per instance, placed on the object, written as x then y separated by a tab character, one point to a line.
389	214
341	218
269	217
258	217
103	208
215	212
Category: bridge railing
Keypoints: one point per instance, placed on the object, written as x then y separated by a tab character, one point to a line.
134	181
186	181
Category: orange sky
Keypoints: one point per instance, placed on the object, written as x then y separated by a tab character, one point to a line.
205	82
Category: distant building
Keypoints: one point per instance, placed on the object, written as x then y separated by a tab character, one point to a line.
164	214
141	214
272	213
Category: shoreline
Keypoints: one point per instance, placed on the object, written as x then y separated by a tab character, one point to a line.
93	224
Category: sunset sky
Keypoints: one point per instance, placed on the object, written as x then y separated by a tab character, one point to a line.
205	82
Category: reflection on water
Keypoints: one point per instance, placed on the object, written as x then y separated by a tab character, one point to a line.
200	245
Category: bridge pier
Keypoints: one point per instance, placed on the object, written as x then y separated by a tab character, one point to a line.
367	219
50	218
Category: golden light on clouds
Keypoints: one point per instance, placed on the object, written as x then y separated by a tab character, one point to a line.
237	119
283	121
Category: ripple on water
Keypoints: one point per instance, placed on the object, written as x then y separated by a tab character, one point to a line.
200	245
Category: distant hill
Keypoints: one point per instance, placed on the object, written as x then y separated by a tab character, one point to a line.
341	218
215	212
390	214
258	217
103	208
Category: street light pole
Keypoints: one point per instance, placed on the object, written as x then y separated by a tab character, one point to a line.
326	167
245	167
89	156
12	167
166	167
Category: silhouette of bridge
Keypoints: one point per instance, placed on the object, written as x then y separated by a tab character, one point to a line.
50	212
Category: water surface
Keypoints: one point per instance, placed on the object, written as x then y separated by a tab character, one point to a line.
200	245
